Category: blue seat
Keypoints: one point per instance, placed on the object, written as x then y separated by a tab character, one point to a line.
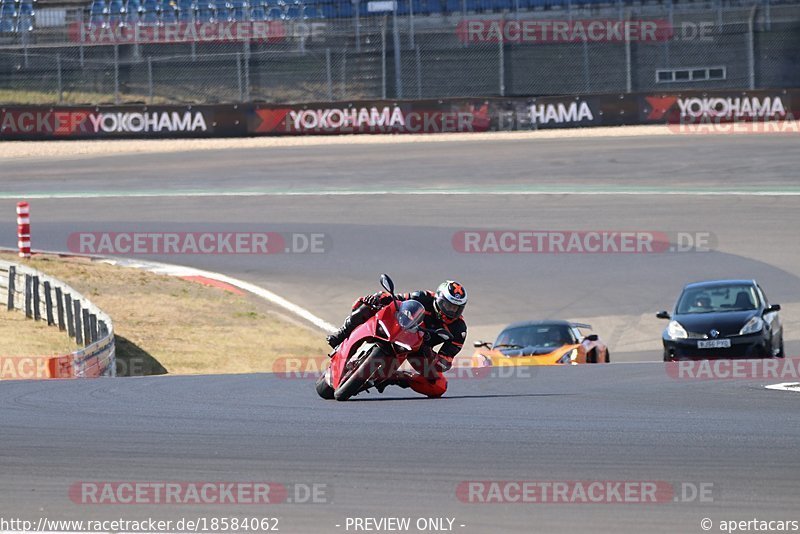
503	5
293	12
97	13
310	12
169	12
258	13
275	13
203	13
328	11
220	8
402	7
453	6
345	9
238	10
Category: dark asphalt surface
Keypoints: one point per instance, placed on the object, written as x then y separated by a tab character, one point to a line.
405	456
399	455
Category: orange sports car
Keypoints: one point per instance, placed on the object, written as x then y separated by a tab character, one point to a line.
542	343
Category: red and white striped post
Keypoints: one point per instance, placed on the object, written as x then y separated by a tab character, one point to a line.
24	229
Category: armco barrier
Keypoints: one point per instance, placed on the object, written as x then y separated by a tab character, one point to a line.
42	297
397	117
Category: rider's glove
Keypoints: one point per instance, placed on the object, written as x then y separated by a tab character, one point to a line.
373	300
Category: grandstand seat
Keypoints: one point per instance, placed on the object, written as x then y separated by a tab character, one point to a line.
420	7
310	12
169	12
203	12
97	13
117	13
275	13
238	10
293	12
258	13
503	5
328	11
134	7
8	17
185	11
402	7
220	8
453	6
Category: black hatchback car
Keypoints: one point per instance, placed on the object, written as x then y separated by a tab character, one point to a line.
723	319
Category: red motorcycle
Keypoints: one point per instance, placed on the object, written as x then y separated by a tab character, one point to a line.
375	350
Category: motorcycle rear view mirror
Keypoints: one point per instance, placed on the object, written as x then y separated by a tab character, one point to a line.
387	283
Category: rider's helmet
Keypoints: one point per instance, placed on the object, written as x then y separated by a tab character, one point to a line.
450	300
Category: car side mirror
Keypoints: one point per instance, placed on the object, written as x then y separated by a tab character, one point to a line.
478	344
591	337
773	308
663	314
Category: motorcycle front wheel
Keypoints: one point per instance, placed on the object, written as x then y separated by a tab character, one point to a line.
368	366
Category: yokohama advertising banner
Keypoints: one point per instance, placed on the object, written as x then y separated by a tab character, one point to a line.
375	118
694	107
62	122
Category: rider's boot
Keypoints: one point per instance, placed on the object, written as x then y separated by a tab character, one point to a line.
355	319
400	378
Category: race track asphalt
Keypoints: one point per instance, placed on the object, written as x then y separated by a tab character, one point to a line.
403	455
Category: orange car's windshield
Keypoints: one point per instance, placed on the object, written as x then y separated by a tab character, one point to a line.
544	335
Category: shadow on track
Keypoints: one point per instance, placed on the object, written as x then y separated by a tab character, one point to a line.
446	397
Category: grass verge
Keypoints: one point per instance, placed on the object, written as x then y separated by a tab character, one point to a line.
166	324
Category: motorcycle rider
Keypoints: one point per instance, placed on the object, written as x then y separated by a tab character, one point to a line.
443	309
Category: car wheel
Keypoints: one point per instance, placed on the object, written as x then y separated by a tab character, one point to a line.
608	356
781	353
666	356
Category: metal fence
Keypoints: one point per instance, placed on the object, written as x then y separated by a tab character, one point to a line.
392	56
43	298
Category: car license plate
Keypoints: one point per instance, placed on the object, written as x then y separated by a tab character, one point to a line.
714	344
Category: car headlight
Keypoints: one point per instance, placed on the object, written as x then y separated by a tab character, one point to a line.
569	357
676	331
752	326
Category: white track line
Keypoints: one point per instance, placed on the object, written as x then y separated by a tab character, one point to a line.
785	386
399	192
269	296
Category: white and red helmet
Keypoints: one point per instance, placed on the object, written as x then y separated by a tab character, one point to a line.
450	299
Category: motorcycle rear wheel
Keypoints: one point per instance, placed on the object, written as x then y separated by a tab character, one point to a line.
324	390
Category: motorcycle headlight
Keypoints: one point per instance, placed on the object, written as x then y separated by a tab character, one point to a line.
383	327
752	326
676	331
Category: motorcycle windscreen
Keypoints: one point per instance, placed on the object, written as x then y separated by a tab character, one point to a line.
409	315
